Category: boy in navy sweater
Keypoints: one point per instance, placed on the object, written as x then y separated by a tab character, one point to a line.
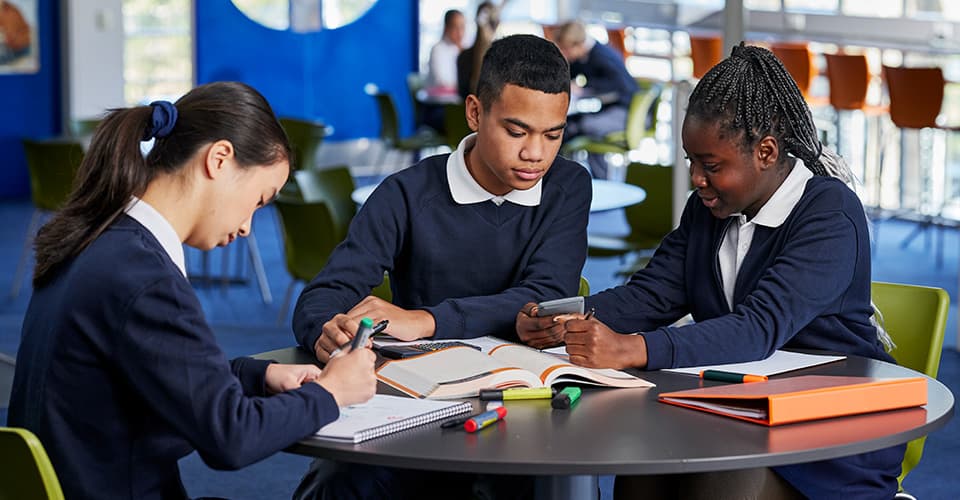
468	238
773	251
471	236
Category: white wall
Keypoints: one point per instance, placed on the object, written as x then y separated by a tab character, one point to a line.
93	62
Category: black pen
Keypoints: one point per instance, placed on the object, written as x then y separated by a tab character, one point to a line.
589	314
457	421
379	327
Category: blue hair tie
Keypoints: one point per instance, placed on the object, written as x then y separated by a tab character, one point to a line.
162	120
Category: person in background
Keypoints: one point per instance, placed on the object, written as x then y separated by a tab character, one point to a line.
442	67
470	60
14	33
118	373
606	79
467	237
772	252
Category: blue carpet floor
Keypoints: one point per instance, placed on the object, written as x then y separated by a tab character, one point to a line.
245	325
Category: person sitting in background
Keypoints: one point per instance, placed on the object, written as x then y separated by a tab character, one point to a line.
772	252
606	78
442	66
118	373
441	81
468	237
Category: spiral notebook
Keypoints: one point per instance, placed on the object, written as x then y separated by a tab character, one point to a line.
385	415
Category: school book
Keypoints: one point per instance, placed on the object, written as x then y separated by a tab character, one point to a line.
460	372
384	414
808	397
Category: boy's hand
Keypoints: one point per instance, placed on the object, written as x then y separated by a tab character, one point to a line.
349	377
281	378
335	333
537	332
404	324
593	344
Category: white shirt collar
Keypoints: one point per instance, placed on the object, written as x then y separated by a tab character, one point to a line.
466	190
778	207
160	228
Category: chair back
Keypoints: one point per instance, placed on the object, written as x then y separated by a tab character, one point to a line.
706	52
25	468
455	122
916	95
798	60
309	235
849	78
52	166
389	118
642	114
305	139
332	186
584	289
651	220
915	317
616	39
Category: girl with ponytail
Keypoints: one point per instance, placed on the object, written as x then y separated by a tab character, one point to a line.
118	373
772	251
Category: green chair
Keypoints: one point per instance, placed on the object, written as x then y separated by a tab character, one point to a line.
390	130
305	138
455	123
641	123
309	237
25	468
915	317
331	185
84	127
52	166
649	221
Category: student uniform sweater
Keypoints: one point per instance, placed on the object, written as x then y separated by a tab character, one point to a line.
471	266
119	376
804	284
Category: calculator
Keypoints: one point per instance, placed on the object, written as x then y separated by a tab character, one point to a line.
410	350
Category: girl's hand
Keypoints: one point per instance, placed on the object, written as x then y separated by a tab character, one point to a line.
349	377
593	344
538	332
282	378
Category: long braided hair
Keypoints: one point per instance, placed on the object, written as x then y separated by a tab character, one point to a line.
751	94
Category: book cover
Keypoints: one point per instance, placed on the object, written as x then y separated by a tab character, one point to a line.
385	414
809	397
459	372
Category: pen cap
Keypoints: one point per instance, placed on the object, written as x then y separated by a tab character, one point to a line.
566	398
478	422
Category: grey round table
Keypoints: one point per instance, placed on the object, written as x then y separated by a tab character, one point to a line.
607	195
626	431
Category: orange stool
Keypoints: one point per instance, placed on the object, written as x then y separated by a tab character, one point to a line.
706	52
617	41
798	60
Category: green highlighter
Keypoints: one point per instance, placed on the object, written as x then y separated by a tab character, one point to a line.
566	398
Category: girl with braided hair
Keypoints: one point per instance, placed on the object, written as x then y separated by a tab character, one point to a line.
771	252
118	373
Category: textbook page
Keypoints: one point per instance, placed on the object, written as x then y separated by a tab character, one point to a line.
551	368
779	362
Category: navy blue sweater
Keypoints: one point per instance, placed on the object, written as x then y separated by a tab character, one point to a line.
804	284
605	73
119	376
471	266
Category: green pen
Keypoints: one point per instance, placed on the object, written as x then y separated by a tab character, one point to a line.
566	399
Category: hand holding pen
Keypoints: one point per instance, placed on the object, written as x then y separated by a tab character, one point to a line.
404	324
337	334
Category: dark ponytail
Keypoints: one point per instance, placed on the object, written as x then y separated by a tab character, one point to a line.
114	169
752	93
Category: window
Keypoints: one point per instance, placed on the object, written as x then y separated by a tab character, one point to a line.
158	52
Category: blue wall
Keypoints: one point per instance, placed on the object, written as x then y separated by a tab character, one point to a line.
316	75
30	104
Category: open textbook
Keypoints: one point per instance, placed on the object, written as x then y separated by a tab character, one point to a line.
460	372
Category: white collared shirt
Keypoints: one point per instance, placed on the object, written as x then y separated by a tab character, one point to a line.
160	228
739	235
466	190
